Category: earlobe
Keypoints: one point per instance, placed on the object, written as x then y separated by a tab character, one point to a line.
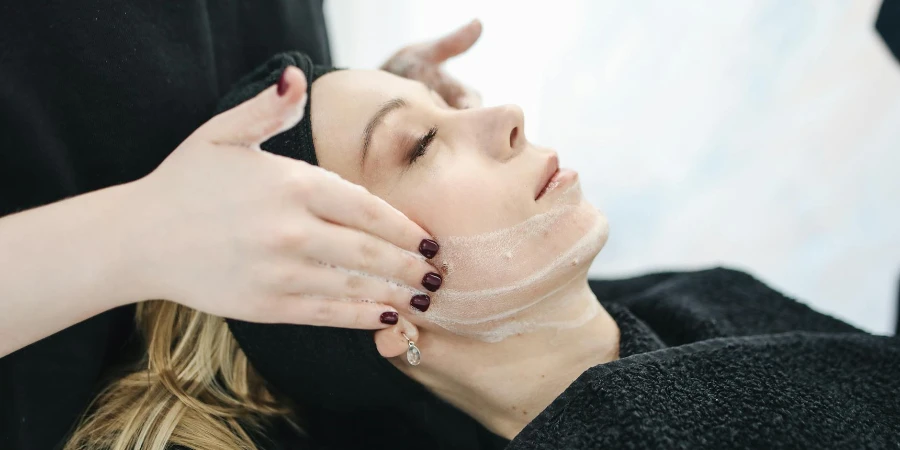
390	341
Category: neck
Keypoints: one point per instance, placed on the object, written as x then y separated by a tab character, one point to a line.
505	385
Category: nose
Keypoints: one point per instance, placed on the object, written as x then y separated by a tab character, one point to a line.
507	131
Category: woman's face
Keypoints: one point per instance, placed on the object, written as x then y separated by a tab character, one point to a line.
454	172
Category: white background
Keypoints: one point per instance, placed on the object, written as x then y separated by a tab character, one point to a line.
762	135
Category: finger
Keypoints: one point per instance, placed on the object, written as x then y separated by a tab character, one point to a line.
364	253
276	109
341	202
336	282
470	99
456	94
454	43
303	310
452	91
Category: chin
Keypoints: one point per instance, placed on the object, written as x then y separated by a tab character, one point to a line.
593	228
500	290
575	241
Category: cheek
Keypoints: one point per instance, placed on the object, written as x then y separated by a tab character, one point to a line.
437	205
462	200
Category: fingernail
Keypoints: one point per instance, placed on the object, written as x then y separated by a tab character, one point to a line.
282	84
389	318
432	281
420	302
428	248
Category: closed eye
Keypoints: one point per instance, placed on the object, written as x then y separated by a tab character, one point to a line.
420	146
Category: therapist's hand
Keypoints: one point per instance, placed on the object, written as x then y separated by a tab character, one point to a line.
225	228
422	62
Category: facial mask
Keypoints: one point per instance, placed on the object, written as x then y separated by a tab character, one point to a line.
509	281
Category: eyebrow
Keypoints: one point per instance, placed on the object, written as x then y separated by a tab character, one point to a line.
388	107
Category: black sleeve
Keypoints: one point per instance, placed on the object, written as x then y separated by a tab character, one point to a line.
888	25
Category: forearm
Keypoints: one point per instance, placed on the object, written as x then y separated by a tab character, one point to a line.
61	264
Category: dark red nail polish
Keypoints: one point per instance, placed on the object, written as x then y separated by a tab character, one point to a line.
432	281
428	248
389	318
421	302
282	83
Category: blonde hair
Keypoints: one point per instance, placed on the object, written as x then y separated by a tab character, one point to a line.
193	388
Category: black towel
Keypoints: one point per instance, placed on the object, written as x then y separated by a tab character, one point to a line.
716	359
710	359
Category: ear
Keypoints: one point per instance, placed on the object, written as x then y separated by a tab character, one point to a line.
390	341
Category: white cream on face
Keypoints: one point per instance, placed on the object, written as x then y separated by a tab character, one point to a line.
497	284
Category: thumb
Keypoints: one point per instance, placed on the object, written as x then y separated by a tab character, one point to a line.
454	43
274	110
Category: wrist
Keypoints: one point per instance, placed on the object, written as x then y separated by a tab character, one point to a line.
69	260
125	245
103	226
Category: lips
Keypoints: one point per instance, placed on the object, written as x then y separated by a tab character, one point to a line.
550	169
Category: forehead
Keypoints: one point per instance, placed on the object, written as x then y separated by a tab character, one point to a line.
342	104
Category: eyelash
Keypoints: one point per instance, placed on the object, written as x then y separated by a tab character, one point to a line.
421	146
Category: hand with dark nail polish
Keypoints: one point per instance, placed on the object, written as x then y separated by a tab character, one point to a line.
389	318
420	302
432	281
428	248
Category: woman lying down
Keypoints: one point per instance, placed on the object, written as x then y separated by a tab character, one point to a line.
518	349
